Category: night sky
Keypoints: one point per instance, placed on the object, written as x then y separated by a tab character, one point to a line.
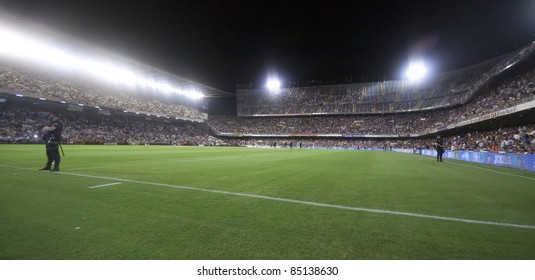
222	43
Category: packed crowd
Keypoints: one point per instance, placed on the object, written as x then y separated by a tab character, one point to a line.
449	89
509	93
39	85
519	139
23	123
512	139
340	99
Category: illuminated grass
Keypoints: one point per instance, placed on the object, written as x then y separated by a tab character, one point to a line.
56	216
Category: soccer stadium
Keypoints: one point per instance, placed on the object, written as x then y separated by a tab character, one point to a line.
339	170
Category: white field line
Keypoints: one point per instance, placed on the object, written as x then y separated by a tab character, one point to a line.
359	209
491	170
105	185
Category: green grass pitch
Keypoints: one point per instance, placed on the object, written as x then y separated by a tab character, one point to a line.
242	203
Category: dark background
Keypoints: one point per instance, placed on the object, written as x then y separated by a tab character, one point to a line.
222	43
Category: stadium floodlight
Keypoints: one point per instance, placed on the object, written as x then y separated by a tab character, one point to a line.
22	46
416	71
107	71
194	94
39	50
273	84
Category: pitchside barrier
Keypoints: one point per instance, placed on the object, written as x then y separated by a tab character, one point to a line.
518	161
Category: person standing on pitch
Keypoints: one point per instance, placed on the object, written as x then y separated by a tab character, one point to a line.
52	138
439	144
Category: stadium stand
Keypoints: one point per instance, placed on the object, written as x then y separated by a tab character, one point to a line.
516	139
21	122
59	67
76	92
465	105
22	119
507	94
445	90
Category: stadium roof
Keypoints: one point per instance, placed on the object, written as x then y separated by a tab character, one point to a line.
84	51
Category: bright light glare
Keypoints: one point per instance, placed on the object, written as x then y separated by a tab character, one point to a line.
24	47
273	84
32	49
416	71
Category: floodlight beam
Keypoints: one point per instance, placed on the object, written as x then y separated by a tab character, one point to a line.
26	47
